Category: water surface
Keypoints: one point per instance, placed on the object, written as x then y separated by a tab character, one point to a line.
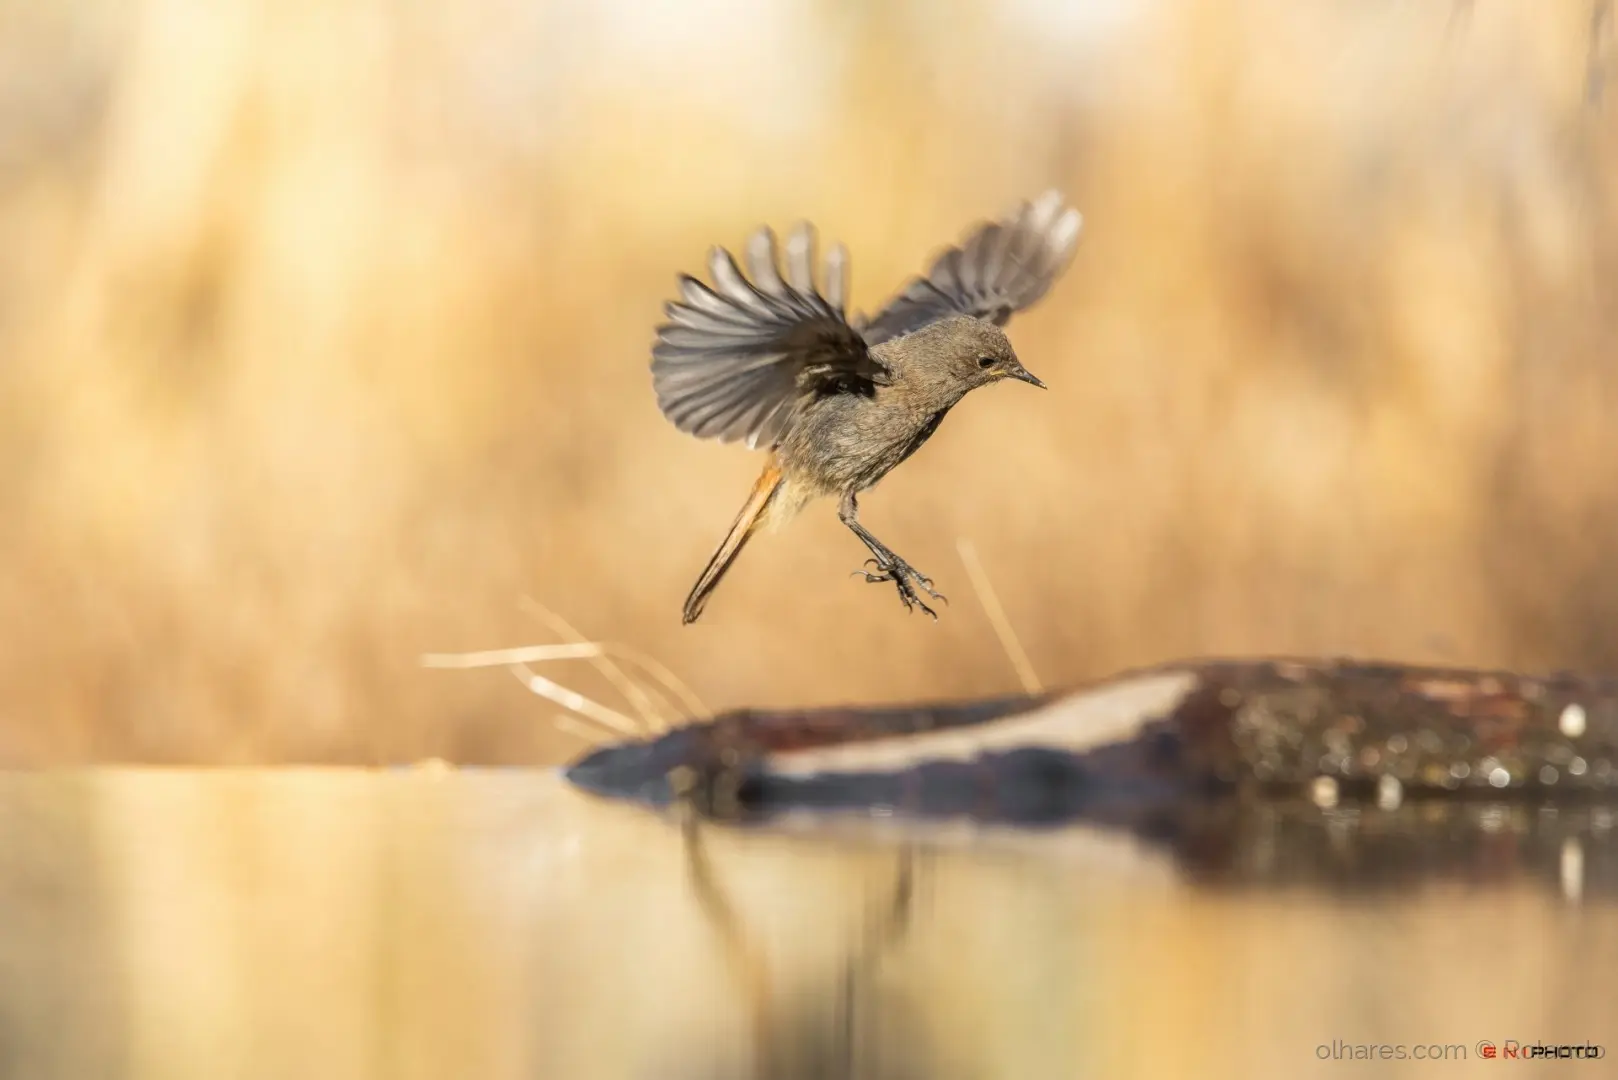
426	923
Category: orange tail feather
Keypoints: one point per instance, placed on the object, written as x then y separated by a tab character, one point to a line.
747	522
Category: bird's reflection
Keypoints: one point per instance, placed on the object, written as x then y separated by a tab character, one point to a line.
845	1025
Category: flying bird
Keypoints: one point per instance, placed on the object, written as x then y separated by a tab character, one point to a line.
771	360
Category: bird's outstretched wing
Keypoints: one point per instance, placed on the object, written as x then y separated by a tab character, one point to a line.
1001	268
734	360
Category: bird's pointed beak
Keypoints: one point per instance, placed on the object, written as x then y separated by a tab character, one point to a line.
1028	377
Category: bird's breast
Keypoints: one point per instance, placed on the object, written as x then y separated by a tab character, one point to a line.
849	443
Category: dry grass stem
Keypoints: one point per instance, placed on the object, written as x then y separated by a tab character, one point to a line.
524	654
997	616
642	702
576	702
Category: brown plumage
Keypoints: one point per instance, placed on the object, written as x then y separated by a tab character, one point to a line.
773	361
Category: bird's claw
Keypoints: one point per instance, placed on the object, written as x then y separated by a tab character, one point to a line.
906	579
885	573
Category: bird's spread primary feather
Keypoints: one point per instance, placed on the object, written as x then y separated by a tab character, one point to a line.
1000	268
733	360
736	361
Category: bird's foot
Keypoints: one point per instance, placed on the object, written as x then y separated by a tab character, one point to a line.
907	579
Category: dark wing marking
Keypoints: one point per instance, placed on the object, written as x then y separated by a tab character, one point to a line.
1002	267
735	359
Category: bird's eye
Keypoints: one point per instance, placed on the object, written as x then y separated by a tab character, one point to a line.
985	361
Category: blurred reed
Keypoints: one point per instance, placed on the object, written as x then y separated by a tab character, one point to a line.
324	331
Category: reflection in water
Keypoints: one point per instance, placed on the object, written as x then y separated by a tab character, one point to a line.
500	924
852	1025
1347	848
1340	850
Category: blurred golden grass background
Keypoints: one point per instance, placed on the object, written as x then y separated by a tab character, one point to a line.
324	332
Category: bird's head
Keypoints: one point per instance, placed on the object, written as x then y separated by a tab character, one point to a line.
965	352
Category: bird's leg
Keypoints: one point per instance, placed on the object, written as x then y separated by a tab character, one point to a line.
889	567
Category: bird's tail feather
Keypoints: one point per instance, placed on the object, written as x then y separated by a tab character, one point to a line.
747	522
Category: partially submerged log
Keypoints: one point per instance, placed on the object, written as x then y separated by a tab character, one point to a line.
1125	748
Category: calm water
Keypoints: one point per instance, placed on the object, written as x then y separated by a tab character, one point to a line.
357	924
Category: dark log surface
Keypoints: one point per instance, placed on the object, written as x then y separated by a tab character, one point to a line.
1267	728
